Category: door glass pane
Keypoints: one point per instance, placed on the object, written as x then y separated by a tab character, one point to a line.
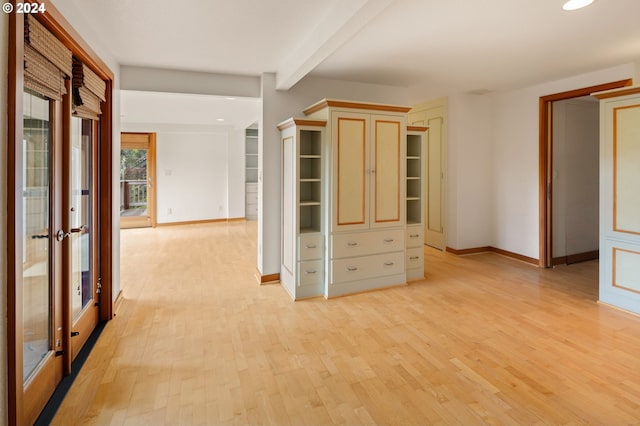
133	182
80	215
36	289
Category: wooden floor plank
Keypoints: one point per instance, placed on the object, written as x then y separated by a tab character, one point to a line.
482	340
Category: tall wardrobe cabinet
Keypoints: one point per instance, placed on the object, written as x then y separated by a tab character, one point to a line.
363	197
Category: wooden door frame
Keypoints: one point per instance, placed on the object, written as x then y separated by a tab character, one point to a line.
546	162
151	175
53	20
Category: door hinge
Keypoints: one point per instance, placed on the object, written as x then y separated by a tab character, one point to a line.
75	333
59	353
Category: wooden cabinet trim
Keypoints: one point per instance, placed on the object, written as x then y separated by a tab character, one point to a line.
354	105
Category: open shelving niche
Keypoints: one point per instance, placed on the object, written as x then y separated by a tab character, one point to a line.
414	179
310	190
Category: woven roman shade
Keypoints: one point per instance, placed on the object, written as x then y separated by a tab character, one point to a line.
46	60
88	91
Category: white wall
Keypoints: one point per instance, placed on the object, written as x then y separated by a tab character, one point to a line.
235	177
576	168
4	55
276	107
193	172
469	172
515	158
191	176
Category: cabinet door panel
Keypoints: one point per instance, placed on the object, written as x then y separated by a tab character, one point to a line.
351	185
387	170
626	149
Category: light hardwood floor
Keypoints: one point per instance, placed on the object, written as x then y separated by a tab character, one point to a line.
482	340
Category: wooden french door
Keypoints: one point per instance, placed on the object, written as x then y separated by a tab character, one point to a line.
58	246
137	180
59	216
39	255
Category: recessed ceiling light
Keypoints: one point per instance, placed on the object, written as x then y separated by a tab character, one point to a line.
219	119
230	99
576	4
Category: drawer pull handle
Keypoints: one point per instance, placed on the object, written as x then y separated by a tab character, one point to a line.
389	240
414	257
388	263
352	268
310	271
352	244
310	246
414	235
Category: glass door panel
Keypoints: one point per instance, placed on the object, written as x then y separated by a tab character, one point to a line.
82	279
36	260
81	215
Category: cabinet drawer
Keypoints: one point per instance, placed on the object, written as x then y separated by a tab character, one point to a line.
415	236
415	257
364	243
359	268
310	272
310	247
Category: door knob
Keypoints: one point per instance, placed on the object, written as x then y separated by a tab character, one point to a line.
61	235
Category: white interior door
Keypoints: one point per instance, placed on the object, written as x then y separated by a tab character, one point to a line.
620	202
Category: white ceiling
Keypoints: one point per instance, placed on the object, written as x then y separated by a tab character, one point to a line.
433	47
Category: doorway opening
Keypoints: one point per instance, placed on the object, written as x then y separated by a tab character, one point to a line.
137	180
546	175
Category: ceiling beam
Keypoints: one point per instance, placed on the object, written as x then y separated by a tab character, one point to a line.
341	23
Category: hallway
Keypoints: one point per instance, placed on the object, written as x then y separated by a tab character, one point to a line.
484	339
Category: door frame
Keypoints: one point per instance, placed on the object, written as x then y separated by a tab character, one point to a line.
545	166
150	219
53	20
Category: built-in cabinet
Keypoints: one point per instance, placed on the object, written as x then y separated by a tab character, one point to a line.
303	205
620	198
352	183
251	174
415	201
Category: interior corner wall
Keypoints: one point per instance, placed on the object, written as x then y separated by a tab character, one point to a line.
276	107
469	172
515	177
4	169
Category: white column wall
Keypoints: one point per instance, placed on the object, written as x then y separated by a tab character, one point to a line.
469	172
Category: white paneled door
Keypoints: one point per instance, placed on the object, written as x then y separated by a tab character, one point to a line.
620	198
